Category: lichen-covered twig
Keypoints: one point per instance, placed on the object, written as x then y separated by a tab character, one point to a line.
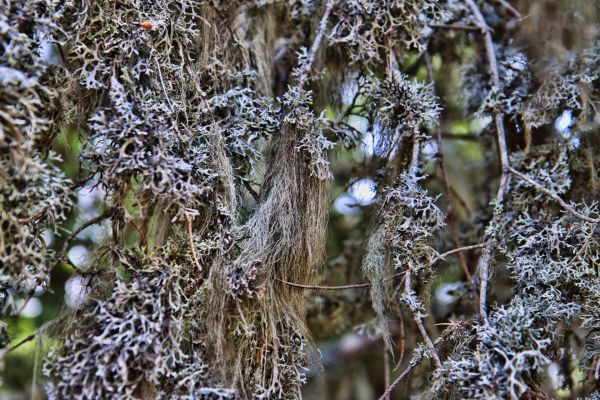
486	258
306	68
412	364
555	196
498	116
417	317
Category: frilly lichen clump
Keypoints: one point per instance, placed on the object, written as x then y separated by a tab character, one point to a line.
137	342
34	193
368	30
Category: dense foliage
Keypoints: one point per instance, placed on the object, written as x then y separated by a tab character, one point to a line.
216	135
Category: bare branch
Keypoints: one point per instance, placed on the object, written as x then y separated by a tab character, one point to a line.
366	285
61	255
459	27
17	345
317	287
510	8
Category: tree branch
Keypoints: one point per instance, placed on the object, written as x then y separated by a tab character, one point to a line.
502	150
412	364
510	8
456	136
498	116
16	346
386	369
419	321
448	188
555	196
459	27
303	78
33	217
366	285
61	255
317	287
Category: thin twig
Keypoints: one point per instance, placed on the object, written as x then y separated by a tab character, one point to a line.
585	245
484	275
419	321
386	369
498	117
162	82
30	294
448	189
458	136
140	231
406	371
316	43
366	285
318	287
510	8
61	255
412	364
29	338
251	190
17	345
502	150
35	216
555	196
428	341
192	245
459	27
414	161
402	343
461	201
349	110
458	250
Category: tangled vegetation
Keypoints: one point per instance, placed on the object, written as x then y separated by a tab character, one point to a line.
218	134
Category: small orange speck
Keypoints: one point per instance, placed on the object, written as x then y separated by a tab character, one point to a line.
147	25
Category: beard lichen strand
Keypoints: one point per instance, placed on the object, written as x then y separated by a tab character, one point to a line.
285	237
257	330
